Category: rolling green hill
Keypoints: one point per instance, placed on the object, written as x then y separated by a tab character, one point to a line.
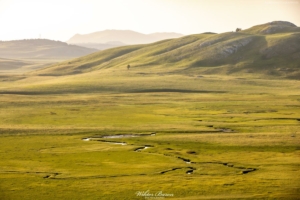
41	48
271	49
20	56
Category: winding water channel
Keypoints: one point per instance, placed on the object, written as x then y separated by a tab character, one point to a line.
190	169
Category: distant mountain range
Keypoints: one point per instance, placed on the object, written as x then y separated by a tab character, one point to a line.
113	38
101	46
41	48
271	49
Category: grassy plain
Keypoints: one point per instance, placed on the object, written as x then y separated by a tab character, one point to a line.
240	135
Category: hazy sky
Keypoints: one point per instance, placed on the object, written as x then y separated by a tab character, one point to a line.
61	19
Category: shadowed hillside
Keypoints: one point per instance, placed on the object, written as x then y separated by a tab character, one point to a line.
10	64
41	48
252	51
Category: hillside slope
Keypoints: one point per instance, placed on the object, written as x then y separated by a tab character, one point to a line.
41	48
101	46
273	27
247	52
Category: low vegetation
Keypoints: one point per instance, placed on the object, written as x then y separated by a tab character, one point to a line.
237	138
189	135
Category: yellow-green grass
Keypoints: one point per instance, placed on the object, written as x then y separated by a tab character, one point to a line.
65	167
246	123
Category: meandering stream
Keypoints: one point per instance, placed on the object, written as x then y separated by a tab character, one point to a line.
190	170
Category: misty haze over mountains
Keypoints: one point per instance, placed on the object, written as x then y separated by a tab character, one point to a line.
114	38
78	45
28	54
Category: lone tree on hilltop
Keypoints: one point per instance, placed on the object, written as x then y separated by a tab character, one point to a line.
238	29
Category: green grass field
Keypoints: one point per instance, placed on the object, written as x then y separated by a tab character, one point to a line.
225	110
238	136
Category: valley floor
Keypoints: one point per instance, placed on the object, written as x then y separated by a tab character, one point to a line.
206	138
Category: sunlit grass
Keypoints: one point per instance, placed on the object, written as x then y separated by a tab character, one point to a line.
213	120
